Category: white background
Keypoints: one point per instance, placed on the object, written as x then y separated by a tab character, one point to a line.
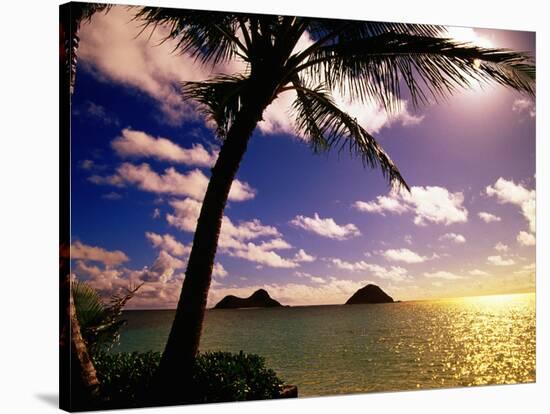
29	205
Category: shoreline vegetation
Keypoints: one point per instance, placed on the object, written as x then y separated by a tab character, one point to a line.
369	348
126	379
389	64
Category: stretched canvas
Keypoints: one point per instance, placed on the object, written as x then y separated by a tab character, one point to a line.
261	206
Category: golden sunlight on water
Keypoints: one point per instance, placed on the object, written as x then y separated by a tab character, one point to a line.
490	339
340	349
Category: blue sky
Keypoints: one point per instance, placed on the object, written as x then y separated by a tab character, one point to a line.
309	228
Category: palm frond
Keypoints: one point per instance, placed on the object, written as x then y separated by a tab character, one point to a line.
208	36
326	126
332	31
87	10
99	322
377	67
90	308
350	30
220	99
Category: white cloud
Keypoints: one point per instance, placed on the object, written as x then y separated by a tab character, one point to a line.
111	49
500	261
257	254
315	279
185	215
105	280
275	244
524	105
156	213
132	143
168	243
278	117
163	268
113	196
477	272
404	255
97	254
373	117
529	269
436	205
326	227
443	275
395	273
488	217
96	113
219	271
457	238
526	239
381	205
429	204
235	239
111	41
507	191
192	183
302	256
501	247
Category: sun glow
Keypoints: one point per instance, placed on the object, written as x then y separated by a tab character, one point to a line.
468	35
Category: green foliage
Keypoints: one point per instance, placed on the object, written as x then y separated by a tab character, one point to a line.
126	378
99	323
222	376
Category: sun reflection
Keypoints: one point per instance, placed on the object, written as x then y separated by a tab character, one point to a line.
493	336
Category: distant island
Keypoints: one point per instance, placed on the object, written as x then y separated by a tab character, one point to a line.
259	299
369	294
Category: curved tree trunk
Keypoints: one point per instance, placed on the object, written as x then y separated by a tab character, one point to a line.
78	383
173	377
85	389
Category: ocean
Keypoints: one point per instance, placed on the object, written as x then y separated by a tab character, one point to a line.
341	349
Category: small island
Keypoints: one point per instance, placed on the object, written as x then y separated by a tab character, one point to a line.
259	299
369	294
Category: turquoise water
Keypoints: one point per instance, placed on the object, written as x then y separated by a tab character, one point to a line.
363	348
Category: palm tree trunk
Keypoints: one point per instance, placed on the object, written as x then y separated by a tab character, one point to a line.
86	393
79	386
174	374
78	383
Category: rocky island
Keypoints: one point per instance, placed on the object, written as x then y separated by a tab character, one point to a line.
369	294
259	299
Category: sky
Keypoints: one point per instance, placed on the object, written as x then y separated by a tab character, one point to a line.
309	228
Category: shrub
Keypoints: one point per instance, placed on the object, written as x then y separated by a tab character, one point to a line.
125	378
222	376
218	376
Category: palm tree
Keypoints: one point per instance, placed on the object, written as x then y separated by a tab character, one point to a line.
71	17
364	60
79	386
99	322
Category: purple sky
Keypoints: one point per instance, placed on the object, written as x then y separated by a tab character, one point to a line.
311	229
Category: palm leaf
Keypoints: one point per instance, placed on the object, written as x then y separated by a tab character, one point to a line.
89	306
208	36
99	323
377	67
326	126
347	30
220	99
